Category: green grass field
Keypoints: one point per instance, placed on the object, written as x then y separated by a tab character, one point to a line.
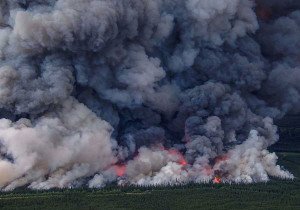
276	194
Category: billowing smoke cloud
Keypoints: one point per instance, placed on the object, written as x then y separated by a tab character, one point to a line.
144	92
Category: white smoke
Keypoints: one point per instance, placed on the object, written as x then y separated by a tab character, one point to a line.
63	145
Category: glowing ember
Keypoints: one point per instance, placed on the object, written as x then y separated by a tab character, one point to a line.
217	180
120	170
183	162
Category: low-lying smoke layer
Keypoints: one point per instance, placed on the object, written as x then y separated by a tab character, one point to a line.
144	92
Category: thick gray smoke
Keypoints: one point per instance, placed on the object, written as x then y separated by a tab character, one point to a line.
144	91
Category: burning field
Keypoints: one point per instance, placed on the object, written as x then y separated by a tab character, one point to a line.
139	92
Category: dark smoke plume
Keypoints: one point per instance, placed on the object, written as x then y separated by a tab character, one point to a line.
144	91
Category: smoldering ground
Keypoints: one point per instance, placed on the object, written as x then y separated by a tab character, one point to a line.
144	92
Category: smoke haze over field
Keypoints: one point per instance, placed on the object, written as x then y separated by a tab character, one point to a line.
144	92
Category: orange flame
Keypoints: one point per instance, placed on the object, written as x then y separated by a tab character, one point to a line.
175	153
217	180
181	160
120	170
